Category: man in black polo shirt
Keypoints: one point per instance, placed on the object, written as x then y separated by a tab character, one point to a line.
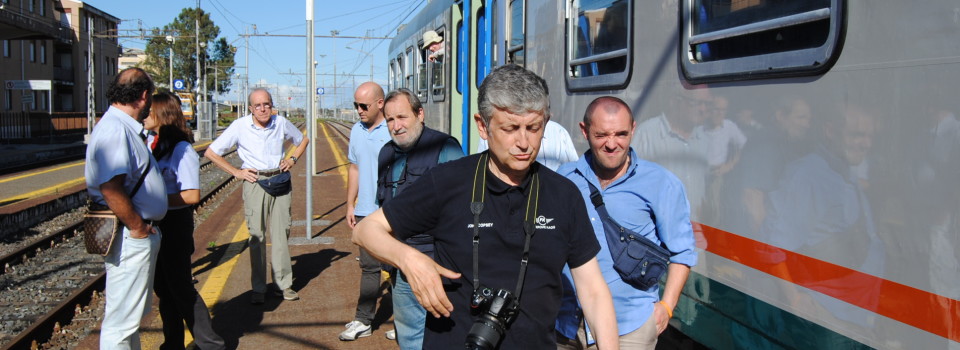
513	190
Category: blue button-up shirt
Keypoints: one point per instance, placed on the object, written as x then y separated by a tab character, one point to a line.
364	148
648	200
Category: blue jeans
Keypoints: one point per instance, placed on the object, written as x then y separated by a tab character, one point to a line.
409	318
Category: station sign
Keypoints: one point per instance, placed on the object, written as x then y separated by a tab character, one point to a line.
28	84
319	91
178	84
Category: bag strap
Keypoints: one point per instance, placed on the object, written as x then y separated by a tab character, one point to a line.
624	234
140	182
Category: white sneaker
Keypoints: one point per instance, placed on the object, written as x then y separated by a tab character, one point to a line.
355	329
391	334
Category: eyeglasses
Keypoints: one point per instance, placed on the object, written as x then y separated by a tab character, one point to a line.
362	106
262	106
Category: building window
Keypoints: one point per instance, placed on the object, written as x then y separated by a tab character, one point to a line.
33	51
86	61
43	7
43	52
599	36
8	100
724	40
6	48
30	5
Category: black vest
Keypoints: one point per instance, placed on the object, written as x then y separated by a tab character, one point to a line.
424	155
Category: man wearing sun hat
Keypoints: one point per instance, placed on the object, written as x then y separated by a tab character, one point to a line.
434	42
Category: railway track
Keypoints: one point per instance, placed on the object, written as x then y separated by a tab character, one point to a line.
49	280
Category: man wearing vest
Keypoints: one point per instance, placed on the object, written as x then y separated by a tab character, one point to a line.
413	150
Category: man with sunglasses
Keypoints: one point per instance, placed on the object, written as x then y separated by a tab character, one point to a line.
366	138
413	150
261	138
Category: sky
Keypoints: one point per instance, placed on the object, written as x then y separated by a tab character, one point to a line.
279	63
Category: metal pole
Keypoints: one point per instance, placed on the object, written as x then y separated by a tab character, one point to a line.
336	93
246	77
171	61
311	121
196	119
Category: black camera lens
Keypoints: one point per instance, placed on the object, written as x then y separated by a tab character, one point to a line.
485	333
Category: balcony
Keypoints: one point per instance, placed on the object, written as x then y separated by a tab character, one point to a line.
15	26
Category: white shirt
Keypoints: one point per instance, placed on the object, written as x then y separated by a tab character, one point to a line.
180	170
685	158
259	148
116	148
555	149
721	140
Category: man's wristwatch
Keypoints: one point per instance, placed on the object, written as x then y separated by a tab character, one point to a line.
294	159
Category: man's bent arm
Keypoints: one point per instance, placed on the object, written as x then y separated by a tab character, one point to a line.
353	188
120	203
420	271
244	174
676	278
594	296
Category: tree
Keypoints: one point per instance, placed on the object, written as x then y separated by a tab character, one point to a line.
218	56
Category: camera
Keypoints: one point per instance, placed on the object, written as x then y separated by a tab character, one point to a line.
496	312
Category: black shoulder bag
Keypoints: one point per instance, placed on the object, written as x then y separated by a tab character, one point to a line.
638	260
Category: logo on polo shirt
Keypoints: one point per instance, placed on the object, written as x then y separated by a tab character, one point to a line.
542	222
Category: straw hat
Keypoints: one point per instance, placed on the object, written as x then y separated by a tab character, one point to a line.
430	37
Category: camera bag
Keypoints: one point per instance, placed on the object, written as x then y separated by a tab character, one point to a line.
639	261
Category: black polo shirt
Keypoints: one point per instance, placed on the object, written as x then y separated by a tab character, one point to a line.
439	205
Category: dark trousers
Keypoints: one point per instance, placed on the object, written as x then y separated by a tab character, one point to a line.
369	286
178	299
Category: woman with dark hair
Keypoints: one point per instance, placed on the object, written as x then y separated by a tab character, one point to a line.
180	166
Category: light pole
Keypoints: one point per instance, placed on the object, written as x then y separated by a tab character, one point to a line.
172	40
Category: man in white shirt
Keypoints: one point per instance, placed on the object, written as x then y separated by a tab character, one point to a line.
117	159
261	138
556	147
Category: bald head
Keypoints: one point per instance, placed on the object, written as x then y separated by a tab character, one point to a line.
368	101
608	105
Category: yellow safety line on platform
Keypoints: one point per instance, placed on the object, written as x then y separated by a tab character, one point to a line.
44	191
341	159
42	172
211	290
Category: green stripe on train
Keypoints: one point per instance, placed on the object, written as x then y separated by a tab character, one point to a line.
721	317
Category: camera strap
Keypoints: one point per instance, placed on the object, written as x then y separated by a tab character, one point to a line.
529	226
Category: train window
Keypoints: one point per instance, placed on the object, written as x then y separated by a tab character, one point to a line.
598	48
438	85
398	83
515	52
422	80
459	70
408	70
725	40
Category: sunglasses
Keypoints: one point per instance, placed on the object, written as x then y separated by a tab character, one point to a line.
363	106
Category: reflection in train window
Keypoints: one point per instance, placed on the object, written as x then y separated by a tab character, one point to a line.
398	73
598	47
515	51
735	40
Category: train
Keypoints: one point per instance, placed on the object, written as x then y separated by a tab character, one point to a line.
832	223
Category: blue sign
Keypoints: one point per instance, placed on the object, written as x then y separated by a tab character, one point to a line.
178	84
319	91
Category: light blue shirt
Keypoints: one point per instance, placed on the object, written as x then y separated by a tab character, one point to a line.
258	148
180	170
364	148
116	148
556	148
648	200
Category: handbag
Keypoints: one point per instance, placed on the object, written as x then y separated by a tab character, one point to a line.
639	261
276	185
101	226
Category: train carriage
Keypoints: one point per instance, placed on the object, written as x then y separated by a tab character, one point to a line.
835	225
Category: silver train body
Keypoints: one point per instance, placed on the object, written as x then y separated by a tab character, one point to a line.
830	220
